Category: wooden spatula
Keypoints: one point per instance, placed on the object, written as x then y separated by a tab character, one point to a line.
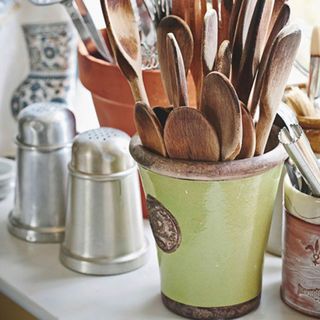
224	59
281	21
249	60
221	107
209	41
149	129
234	20
189	136
177	73
124	38
248	135
162	114
181	9
276	75
226	9
184	39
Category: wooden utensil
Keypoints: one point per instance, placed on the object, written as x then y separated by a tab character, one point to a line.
248	135
249	59
181	9
221	107
235	13
197	13
177	73
237	41
226	9
277	7
313	88
123	35
224	59
149	129
189	136
277	72
281	21
209	41
184	39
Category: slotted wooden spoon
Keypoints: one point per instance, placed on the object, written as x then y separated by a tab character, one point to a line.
184	39
124	38
189	136
276	75
221	107
149	129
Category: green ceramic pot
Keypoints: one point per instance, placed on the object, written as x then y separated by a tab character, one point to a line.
211	223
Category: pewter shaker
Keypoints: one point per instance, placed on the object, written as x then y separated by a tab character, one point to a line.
45	134
104	227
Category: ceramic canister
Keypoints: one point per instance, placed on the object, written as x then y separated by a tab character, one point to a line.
211	223
300	287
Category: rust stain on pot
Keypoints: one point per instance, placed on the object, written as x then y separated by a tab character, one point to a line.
164	226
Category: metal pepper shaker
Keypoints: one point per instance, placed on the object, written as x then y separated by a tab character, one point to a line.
104	226
45	135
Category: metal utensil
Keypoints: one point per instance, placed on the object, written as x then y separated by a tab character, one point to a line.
299	150
83	22
124	38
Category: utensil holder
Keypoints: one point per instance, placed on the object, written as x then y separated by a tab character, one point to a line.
211	223
300	287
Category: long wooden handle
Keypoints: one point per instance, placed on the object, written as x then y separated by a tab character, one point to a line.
138	89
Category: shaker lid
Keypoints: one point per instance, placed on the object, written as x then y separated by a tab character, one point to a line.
102	151
46	124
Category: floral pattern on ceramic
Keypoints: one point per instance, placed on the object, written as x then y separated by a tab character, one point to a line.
52	60
300	287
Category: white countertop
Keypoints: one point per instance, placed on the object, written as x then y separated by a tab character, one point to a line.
32	276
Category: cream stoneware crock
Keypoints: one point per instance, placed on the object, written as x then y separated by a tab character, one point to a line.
211	223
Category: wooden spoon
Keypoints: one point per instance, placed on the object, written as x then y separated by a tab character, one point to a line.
235	13
184	39
197	13
181	9
277	7
220	105
248	135
123	35
237	41
209	41
226	9
224	59
276	75
176	69
189	136
281	21
249	60
149	129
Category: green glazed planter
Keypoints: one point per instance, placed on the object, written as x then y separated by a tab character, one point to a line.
211	223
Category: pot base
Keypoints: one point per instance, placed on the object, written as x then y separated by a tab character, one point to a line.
34	234
202	313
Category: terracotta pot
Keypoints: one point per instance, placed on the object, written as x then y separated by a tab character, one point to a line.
300	287
210	221
111	92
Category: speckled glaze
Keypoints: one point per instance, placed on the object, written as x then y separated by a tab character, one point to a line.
300	287
211	223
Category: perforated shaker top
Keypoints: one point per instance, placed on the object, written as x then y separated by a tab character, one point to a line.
46	124
102	151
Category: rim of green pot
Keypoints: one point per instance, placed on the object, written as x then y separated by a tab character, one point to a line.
209	171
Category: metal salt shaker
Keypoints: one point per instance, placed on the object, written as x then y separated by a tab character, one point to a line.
45	135
104	226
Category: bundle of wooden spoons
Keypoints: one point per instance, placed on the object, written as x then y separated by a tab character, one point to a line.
240	54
